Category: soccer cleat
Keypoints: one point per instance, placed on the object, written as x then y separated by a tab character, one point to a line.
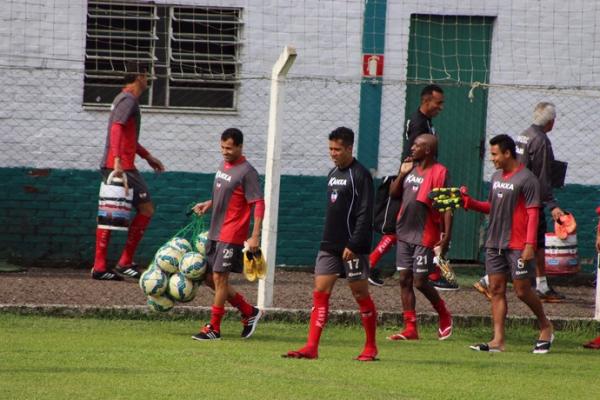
550	296
443	284
446	199
260	265
593	344
445	327
105	276
207	333
128	271
482	288
305	352
375	278
251	322
444	193
368	354
446	269
250	272
407	334
543	346
485	347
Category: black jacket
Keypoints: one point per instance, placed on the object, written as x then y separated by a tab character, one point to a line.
386	208
349	216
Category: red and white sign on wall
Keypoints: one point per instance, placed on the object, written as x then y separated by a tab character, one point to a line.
372	65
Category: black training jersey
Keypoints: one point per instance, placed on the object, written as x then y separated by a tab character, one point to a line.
418	223
417	124
510	196
349	216
125	110
535	151
235	189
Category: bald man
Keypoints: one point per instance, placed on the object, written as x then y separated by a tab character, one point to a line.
420	228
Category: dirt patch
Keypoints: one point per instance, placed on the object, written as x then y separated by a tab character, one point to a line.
293	290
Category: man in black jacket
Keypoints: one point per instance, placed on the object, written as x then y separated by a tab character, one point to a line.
345	247
432	103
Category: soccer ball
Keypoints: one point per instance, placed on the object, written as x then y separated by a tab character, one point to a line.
181	288
193	265
167	258
160	303
153	281
200	242
180	244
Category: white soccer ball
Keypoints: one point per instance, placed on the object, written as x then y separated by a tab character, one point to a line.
160	303
181	288
193	266
167	258
200	242
180	244
153	281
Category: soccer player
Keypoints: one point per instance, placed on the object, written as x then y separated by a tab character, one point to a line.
345	245
236	190
513	206
420	122
432	103
122	145
595	343
420	228
534	150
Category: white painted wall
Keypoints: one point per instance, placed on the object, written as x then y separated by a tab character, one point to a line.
553	42
42	48
539	43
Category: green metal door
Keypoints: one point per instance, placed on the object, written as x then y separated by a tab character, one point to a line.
454	52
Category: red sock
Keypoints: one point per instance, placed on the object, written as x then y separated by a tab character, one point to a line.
384	245
436	274
445	320
318	318
102	239
441	309
410	320
216	315
597	340
136	231
241	304
368	314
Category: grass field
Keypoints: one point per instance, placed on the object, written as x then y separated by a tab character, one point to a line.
61	358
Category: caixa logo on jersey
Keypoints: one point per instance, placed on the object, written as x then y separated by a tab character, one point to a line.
223	176
504	185
415	180
499	186
333	181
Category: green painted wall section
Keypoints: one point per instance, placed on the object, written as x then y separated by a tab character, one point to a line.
47	217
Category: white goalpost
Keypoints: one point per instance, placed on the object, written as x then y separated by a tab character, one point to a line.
273	174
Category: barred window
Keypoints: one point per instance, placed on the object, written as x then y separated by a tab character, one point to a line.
192	53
